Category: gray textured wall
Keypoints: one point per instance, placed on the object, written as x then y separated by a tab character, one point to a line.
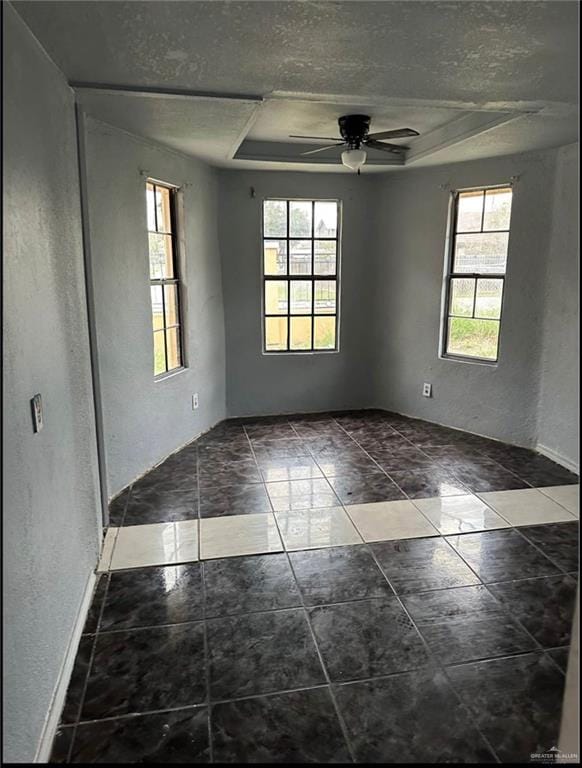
50	516
411	219
263	384
559	396
394	232
145	420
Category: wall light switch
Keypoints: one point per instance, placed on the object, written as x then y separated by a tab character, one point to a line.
427	389
37	420
195	401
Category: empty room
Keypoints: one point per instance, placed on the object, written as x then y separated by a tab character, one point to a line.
291	381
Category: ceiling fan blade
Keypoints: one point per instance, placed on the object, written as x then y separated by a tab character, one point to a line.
322	149
399	133
317	138
392	148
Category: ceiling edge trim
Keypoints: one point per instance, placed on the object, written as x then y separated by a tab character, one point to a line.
456	131
174	93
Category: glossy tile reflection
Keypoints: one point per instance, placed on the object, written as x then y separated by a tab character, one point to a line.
314	528
338	574
149	596
501	555
526	507
460	514
390	520
156	544
566	495
324	587
239	535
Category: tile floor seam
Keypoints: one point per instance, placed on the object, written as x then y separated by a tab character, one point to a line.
434	498
531	578
89	668
214	702
199	516
206	662
338	713
433	658
147	713
389	476
507	611
125	506
309	606
504	607
432	655
339	716
113	545
524	525
540	550
541	489
346	509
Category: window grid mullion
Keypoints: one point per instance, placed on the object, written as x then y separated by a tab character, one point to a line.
164	281
475	277
155	206
288	278
288	206
312	274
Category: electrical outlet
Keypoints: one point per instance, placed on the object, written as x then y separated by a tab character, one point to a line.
195	401
427	389
37	420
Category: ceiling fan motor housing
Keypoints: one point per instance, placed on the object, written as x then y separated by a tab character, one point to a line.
354	129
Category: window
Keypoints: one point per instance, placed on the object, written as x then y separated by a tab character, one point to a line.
164	277
300	268
476	273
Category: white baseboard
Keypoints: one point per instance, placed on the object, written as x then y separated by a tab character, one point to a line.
51	723
558	458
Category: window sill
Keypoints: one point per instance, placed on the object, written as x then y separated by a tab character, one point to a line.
299	353
169	374
471	360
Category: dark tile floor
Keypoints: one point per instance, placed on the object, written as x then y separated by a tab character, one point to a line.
300	656
440	649
241	466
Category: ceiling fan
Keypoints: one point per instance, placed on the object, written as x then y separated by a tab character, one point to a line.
354	131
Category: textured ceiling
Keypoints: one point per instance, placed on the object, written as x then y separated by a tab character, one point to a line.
405	62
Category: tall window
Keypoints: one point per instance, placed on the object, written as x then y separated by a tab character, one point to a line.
164	277
300	268
476	273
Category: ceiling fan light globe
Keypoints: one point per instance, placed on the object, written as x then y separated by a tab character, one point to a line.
354	158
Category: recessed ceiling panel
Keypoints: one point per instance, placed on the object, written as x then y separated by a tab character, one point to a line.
281	117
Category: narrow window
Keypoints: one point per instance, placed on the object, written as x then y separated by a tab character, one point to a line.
476	273
300	275
164	277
